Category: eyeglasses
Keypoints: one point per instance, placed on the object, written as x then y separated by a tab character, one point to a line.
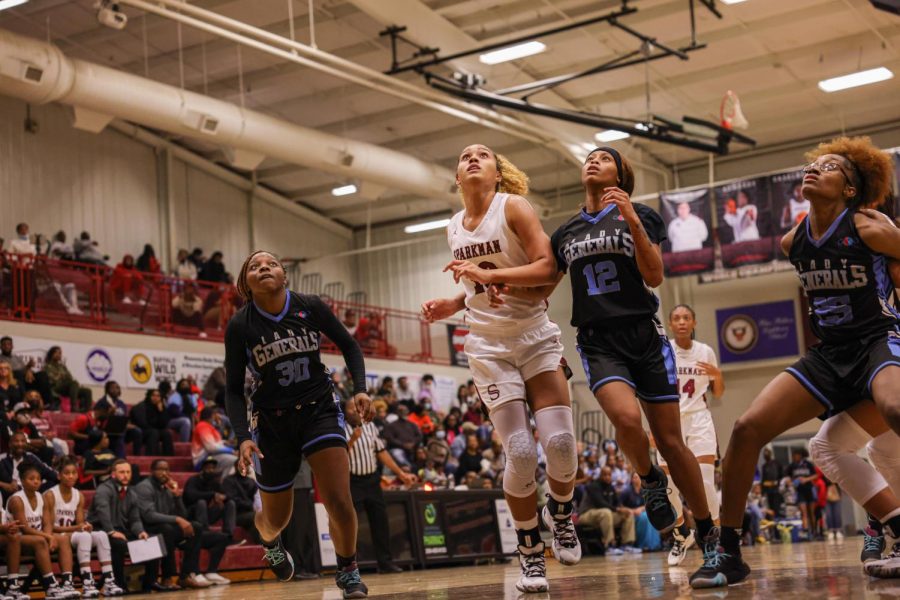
828	167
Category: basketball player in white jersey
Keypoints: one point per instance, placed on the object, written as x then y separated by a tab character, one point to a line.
698	373
65	505
514	350
742	218
27	508
795	210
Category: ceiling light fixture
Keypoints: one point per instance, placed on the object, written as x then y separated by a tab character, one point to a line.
344	190
4	4
611	135
512	53
836	84
426	226
732	1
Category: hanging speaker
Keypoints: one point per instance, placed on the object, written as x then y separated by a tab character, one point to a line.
891	6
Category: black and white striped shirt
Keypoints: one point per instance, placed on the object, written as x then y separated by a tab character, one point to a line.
363	460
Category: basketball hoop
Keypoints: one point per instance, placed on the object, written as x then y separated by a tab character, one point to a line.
730	112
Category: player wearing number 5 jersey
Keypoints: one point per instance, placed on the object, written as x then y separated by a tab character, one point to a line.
697	373
293	409
611	252
514	350
841	252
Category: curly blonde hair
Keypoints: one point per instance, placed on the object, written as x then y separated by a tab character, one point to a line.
512	179
872	165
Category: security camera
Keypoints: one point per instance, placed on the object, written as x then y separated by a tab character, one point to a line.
109	14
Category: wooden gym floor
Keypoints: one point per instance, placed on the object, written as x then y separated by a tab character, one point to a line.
814	570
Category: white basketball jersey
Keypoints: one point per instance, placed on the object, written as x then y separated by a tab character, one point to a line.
64	512
492	245
798	208
692	383
34	518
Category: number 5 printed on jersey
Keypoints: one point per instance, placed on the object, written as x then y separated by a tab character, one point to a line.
601	278
833	310
293	371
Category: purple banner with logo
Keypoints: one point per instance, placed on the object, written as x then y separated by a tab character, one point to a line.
757	331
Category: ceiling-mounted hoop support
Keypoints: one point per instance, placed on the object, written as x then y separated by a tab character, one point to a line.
395	31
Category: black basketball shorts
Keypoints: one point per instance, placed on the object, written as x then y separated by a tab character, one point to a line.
840	375
285	435
637	353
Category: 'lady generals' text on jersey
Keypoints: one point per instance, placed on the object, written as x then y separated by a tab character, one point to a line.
847	284
599	251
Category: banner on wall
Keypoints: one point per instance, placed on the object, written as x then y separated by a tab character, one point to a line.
746	231
788	203
138	368
456	337
689	247
757	331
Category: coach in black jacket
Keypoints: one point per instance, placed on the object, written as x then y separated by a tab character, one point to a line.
9	479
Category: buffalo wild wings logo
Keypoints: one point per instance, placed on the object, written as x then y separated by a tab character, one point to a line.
141	368
740	334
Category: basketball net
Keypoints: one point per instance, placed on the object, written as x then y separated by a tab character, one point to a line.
730	112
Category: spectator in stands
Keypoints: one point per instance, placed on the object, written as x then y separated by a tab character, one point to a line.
610	453
88	251
60	249
184	267
181	406
434	473
147	263
34	527
402	437
601	509
82	425
621	474
18	364
772	472
112	393
196	257
426	389
404	394
99	459
473	413
646	537
126	283
470	460
9	467
42	424
462	396
803	475
187	309
496	458
62	384
214	387
164	513
458	447
337	383
10	391
37	444
207	442
421	417
152	419
220	305
214	269
206	500
115	510
452	426
242	490
386	391
22	244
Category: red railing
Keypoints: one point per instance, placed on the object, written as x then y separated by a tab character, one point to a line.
37	289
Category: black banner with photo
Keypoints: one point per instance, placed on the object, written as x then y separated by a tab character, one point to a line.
688	219
456	336
787	202
747	231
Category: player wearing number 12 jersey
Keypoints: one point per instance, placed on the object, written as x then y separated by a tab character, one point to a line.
293	409
611	252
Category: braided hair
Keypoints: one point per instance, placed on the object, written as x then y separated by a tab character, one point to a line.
243	287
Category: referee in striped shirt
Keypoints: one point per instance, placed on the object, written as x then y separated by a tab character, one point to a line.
367	455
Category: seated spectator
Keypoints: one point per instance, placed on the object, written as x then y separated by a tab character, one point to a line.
437	447
421	417
610	454
196	257
112	393
163	512
126	284
462	396
433	473
426	389
452	425
350	322
187	309
496	458
181	407
82	425
386	391
99	459
473	413
22	244
214	269
18	364
458	447
621	474
10	482
207	442
63	385
115	510
404	393
87	250
60	249
152	419
42	424
402	437
184	267
31	525
242	490
470	460
41	447
23	371
10	391
646	537
206	501
601	509
147	263
220	306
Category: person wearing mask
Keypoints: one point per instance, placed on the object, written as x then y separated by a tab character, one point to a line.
367	455
181	407
152	419
402	437
10	482
206	442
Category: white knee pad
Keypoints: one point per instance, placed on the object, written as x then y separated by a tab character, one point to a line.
81	540
708	472
557	434
101	543
511	424
884	454
834	449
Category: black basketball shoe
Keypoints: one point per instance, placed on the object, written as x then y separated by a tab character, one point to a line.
279	560
660	511
350	583
873	545
719	567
